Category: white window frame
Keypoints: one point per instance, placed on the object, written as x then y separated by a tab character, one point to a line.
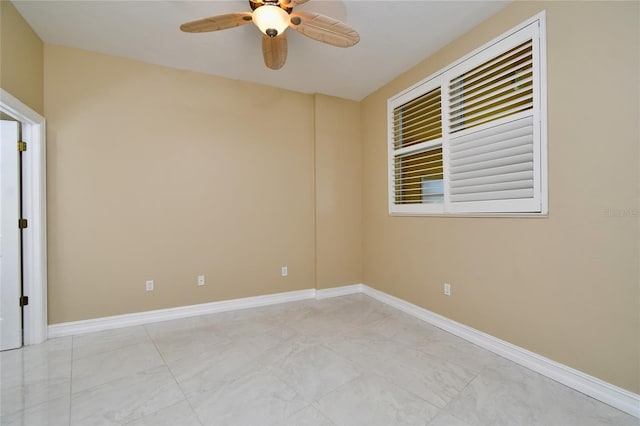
534	29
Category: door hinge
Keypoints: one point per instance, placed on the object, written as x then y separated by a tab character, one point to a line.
24	300
22	146
22	223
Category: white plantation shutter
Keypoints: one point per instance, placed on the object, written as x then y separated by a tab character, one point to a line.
497	88
416	133
494	128
495	164
473	143
413	171
417	121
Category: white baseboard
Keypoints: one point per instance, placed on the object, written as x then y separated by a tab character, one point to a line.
137	318
326	293
615	396
119	321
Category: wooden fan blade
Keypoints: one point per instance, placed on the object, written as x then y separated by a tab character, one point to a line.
216	23
324	29
274	50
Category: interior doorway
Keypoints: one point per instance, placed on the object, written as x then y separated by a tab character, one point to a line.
10	238
34	242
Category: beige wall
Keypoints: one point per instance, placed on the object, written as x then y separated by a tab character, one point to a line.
156	173
566	286
21	58
338	192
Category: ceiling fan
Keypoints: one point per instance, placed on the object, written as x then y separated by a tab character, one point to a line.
273	17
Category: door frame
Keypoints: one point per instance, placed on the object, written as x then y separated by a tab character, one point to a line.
34	202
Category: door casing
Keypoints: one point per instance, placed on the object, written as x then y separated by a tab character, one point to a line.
34	237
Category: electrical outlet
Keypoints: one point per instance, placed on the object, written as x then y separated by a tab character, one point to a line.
200	279
285	271
149	285
447	289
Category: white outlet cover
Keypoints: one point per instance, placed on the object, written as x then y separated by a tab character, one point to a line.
285	271
200	279
149	285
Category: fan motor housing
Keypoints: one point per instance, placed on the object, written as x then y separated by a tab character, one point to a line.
256	4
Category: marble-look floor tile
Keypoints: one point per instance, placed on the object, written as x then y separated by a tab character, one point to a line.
284	313
205	372
180	414
51	347
314	324
416	332
341	361
51	359
309	416
366	348
259	398
444	419
315	371
431	378
126	399
26	395
429	339
517	396
258	336
454	349
373	400
274	357
328	317
201	324
101	368
53	412
321	325
250	314
107	340
401	327
177	346
34	374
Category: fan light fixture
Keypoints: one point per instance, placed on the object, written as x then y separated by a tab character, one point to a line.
272	20
273	17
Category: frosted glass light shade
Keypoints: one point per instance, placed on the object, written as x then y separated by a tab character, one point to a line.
272	20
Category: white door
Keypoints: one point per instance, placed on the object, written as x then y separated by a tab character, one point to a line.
10	270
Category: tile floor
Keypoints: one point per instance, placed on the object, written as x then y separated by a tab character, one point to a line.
342	361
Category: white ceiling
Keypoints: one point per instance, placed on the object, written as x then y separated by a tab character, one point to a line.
394	36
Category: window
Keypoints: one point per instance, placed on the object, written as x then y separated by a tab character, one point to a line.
472	138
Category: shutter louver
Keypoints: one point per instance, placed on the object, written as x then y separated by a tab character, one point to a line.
413	175
498	88
493	164
417	121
